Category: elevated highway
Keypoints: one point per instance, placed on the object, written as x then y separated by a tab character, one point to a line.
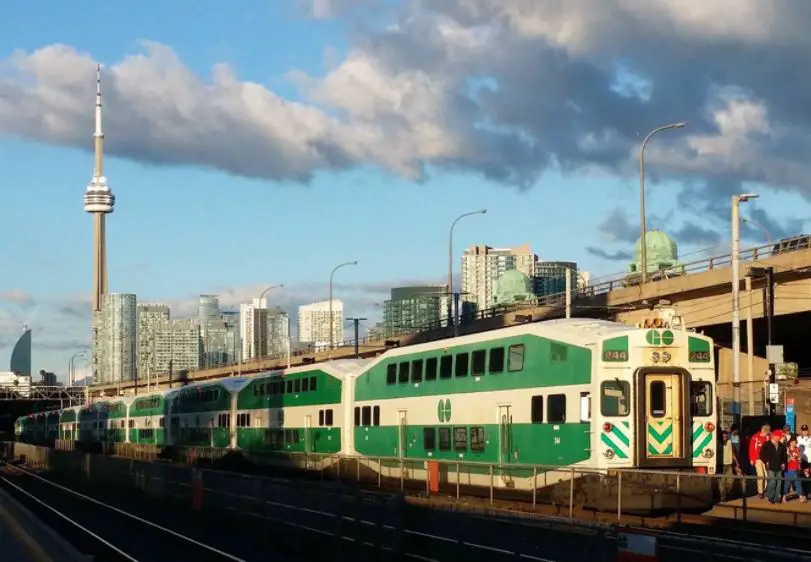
701	296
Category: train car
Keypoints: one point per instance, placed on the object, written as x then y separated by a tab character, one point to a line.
203	415
69	423
24	428
145	419
117	417
298	410
92	422
524	395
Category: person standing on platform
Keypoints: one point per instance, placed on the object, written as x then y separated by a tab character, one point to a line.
774	456
756	442
804	443
793	472
731	466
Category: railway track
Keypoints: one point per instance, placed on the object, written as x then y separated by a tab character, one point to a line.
110	533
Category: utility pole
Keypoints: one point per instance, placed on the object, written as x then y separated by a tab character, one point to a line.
356	322
767	273
736	309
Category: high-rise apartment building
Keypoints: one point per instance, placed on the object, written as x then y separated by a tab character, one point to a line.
550	278
483	266
178	347
208	308
117	341
414	308
314	323
264	331
152	318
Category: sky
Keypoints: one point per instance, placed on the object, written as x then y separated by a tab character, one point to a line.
252	143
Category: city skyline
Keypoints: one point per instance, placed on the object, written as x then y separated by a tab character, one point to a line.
305	101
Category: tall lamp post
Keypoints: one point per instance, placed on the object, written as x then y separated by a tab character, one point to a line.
331	278
643	239
72	367
258	307
450	261
736	310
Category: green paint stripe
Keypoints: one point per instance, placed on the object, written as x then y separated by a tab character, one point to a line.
668	450
619	435
697	450
652	451
697	432
660	437
617	451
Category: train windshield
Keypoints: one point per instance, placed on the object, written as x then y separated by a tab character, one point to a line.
700	398
614	398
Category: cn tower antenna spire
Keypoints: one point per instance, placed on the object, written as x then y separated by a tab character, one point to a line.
98	135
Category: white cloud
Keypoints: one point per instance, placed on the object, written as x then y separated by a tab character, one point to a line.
502	88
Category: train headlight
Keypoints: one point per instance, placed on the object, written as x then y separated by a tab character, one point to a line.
708	454
654	357
709	426
609	454
665	356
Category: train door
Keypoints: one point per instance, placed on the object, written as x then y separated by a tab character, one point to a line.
505	433
402	434
663	417
308	433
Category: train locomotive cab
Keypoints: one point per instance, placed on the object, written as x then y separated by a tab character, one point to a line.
657	422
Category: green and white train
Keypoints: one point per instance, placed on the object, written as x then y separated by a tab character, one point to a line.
579	393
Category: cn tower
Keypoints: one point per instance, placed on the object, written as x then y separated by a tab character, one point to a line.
98	201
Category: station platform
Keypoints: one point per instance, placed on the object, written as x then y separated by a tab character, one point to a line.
24	538
755	509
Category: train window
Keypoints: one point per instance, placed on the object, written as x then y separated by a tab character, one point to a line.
444	438
274	387
537	409
700	398
658	399
479	362
357	415
403	372
289	387
446	367
297	386
557	352
460	438
161	422
416	370
328	419
305	384
391	373
313	384
615	398
376	415
366	415
477	439
321	417
462	364
429	438
585	407
430	368
556	408
515	358
496	360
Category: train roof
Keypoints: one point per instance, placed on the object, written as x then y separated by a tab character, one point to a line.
576	331
339	368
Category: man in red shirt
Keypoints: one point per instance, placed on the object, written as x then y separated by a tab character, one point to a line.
755	444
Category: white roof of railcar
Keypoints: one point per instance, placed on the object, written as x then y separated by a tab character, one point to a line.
338	368
575	331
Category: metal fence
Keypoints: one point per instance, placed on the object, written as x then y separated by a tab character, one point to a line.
359	525
529	488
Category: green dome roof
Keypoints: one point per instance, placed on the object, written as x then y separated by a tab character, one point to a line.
513	286
662	250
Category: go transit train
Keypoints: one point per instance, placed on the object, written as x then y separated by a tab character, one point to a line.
575	393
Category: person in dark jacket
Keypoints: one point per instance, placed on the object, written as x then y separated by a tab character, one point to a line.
774	456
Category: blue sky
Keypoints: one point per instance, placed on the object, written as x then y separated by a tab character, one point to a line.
184	228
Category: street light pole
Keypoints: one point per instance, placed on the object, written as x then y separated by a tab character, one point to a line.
331	323
258	307
643	239
736	311
450	261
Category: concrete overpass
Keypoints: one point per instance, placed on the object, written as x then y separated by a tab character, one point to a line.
702	296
